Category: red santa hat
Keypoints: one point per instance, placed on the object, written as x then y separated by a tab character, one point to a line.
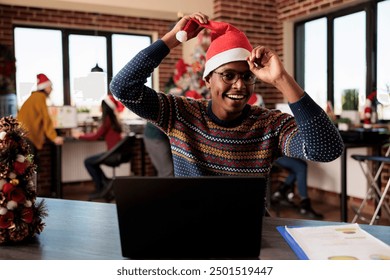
43	81
114	104
228	44
256	99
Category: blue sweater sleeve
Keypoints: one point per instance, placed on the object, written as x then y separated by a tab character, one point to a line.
318	138
128	86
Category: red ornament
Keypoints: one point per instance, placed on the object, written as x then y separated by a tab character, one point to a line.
7	188
17	195
7	219
20	167
27	215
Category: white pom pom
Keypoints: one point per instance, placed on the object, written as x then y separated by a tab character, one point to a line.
20	158
12	175
181	36
12	204
3	210
28	203
2	135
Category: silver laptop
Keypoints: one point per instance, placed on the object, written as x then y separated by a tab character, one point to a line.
190	217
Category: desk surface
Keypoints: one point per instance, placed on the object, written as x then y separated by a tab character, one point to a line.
79	230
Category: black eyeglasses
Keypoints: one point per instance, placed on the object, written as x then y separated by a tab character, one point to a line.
231	77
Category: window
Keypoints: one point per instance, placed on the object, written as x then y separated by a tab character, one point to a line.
38	51
383	66
349	61
355	62
125	47
85	52
314	77
67	57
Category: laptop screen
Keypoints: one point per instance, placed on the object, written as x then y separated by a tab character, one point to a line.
190	217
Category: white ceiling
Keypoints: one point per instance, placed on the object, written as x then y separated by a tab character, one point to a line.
164	9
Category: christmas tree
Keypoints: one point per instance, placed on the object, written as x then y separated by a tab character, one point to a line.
20	214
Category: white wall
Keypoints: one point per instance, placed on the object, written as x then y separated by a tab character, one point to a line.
327	176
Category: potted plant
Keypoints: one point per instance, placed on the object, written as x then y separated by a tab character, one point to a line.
344	123
350	105
82	114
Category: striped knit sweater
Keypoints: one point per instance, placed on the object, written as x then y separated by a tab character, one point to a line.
203	145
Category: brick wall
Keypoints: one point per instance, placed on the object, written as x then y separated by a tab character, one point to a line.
9	15
45	187
262	21
259	21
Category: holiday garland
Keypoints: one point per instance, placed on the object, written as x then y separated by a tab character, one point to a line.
20	216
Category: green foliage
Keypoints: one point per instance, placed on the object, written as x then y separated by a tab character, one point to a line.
350	99
83	110
344	120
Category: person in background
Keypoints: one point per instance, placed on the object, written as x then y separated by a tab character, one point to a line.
111	130
159	150
34	117
297	172
224	136
158	147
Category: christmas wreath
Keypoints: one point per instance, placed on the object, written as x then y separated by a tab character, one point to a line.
20	215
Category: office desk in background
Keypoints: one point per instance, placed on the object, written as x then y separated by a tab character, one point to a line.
357	138
68	162
80	230
344	175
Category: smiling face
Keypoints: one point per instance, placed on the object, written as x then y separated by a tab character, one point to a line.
228	100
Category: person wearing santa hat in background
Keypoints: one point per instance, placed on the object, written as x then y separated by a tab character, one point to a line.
225	136
111	130
34	117
369	110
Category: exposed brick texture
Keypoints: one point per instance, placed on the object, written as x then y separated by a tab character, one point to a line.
262	21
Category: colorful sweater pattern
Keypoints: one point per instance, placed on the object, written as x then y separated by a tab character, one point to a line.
203	145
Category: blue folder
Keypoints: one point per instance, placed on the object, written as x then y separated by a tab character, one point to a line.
292	243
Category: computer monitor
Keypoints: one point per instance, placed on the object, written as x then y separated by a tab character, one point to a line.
63	116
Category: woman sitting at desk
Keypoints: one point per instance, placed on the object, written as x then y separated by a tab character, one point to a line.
111	130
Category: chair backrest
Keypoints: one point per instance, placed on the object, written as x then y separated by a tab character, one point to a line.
120	153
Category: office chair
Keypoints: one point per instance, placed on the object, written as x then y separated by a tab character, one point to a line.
121	153
374	191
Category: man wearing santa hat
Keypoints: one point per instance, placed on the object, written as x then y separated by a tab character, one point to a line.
225	136
34	116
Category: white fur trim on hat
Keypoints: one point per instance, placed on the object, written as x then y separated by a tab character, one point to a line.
43	85
110	103
236	54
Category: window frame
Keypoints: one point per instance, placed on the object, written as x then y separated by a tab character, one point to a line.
370	8
65	50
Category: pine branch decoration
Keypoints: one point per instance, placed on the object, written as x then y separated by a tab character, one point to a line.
21	217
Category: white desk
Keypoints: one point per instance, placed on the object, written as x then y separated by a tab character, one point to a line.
73	154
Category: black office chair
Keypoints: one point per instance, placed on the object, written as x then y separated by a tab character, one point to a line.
374	191
119	154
